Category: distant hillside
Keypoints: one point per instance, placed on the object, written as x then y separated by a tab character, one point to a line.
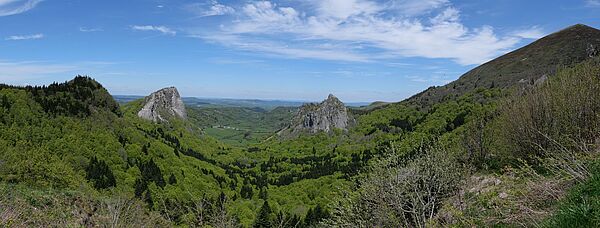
240	125
226	102
524	66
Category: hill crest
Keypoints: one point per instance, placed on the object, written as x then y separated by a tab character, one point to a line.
522	67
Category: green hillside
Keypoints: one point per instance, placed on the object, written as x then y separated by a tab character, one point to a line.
468	154
240	126
522	67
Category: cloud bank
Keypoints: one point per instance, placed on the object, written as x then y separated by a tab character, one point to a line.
362	30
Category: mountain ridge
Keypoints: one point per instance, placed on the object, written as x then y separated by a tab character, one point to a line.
523	66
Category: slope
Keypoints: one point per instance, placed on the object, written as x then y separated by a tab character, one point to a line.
522	67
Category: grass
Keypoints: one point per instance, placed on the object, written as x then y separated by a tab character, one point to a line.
581	207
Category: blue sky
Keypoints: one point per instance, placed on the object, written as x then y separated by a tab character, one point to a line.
360	50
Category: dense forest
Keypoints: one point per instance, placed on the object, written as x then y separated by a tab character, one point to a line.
525	155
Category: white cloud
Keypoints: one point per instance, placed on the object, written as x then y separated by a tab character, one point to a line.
416	7
592	3
162	29
84	29
530	33
12	7
362	30
211	8
342	9
26	37
282	50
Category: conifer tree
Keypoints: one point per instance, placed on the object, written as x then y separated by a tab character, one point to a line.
263	218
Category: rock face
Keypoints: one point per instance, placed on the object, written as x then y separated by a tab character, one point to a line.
162	105
326	116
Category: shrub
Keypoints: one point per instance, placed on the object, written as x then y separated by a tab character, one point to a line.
563	112
402	196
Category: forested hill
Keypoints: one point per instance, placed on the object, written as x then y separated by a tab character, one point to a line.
70	156
522	67
79	97
69	149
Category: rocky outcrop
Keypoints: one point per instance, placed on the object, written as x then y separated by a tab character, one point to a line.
324	117
163	105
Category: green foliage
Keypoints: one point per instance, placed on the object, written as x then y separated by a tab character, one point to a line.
563	112
151	173
78	97
263	219
23	206
100	174
172	179
581	207
388	161
401	195
240	126
314	216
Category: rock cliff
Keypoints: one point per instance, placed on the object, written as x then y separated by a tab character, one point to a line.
312	118
163	105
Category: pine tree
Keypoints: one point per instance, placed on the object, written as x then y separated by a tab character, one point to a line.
246	192
263	218
172	180
100	174
151	172
314	216
263	193
139	187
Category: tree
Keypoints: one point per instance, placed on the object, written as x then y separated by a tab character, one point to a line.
263	218
263	193
314	216
172	180
139	187
100	174
151	173
246	192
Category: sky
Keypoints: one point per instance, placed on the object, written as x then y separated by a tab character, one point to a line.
359	50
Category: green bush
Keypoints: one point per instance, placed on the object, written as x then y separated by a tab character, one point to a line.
562	112
402	196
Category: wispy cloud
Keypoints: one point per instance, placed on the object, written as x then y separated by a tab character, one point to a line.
363	30
415	8
11	71
162	29
26	37
534	32
210	8
436	79
592	3
12	7
85	29
18	72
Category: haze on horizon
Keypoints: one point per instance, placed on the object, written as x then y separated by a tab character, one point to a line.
359	50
